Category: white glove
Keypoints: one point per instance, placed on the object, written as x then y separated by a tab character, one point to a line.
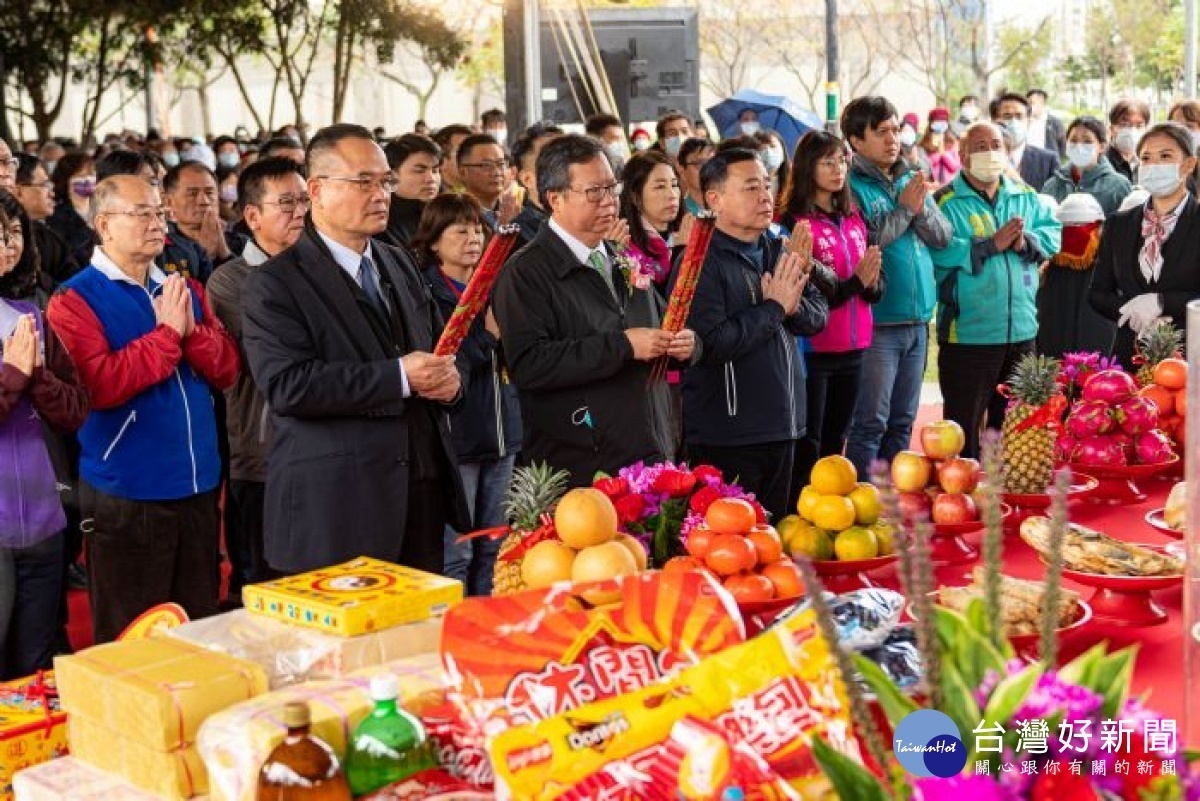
1140	312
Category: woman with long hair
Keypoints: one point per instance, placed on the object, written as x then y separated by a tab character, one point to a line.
652	205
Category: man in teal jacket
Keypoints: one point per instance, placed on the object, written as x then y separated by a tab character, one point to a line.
905	223
987	280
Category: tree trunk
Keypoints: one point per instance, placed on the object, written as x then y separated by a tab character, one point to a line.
92	111
231	60
205	107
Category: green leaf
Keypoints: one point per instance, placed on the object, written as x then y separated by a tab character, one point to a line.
1079	670
958	701
1009	693
967	648
1113	674
849	778
894	703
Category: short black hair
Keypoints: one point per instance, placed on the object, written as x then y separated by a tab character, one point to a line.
714	174
661	126
1037	91
555	161
172	178
598	123
1008	97
445	210
473	141
690	147
399	149
527	141
444	136
223	140
26	164
493	115
252	183
75	161
329	137
122	162
862	113
967	99
1091	124
743	142
278	143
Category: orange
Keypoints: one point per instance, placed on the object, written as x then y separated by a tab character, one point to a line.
682	564
856	543
788	581
834	513
1171	373
808	499
699	541
866	503
1181	403
729	554
730	516
1163	398
767	544
585	517
834	475
750	587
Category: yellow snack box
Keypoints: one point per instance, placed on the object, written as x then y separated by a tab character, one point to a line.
292	654
356	597
175	774
70	779
156	691
775	691
32	727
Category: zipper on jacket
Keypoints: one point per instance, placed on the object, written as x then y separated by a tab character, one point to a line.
788	348
853	298
22	505
187	412
262	423
120	433
499	410
731	399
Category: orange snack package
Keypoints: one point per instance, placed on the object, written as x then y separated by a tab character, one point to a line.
772	693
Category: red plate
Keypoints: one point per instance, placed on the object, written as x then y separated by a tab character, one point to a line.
1028	646
1157	518
948	546
1117	485
839	577
1081	484
1125	600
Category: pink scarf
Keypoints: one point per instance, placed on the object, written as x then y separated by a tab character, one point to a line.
1156	229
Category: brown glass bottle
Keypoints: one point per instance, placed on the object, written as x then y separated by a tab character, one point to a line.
302	767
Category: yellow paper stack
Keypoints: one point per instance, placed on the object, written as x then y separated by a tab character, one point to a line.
70	779
291	654
135	708
234	743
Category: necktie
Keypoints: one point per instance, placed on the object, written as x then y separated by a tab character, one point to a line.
1156	228
370	287
598	263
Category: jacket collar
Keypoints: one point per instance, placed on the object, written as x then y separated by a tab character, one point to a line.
109	269
563	255
869	169
254	255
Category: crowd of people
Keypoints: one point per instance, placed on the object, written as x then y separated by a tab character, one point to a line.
233	341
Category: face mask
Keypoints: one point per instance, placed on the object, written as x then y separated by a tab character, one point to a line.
170	158
939	127
969	113
672	145
1195	146
1016	131
50	165
229	160
772	158
617	153
1082	154
1160	180
84	187
500	135
1127	138
986	167
641	144
750	128
228	194
908	137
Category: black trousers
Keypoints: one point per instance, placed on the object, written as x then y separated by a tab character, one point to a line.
143	553
423	546
765	470
968	376
832	388
244	502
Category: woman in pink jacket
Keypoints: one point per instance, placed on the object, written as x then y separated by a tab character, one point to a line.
848	272
941	147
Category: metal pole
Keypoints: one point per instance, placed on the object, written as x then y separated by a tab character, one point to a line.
1191	588
832	65
1189	48
522	64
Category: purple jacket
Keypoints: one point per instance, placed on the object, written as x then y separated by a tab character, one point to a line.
30	509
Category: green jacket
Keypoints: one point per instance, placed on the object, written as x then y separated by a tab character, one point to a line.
988	297
1102	182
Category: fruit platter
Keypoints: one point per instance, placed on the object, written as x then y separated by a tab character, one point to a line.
1172	518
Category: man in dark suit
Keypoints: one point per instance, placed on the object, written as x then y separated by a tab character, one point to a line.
339	330
1045	130
580	341
1034	164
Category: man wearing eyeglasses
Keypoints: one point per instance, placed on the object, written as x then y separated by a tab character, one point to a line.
580	340
484	167
35	192
148	349
273	200
339	333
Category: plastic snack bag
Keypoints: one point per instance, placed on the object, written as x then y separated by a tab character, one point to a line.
899	657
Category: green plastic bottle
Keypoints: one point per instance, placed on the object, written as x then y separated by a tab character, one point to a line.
389	745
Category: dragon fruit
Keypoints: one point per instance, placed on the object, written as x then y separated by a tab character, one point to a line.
1089	418
1154	447
1110	386
1137	415
1101	451
1065	448
1126	442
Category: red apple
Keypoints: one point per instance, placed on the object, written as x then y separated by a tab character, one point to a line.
958	475
951	508
942	439
913	504
911	471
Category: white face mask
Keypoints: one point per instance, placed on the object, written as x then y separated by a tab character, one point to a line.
908	137
641	143
969	113
1016	131
1160	180
750	128
772	158
673	144
227	159
1082	154
941	126
1195	146
500	135
987	166
1127	138
617	152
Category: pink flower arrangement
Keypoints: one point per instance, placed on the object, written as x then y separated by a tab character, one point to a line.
639	269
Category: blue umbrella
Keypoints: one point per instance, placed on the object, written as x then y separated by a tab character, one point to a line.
776	112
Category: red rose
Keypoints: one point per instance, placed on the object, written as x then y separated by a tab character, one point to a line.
708	474
675	483
1062	786
703	499
612	487
760	513
629	509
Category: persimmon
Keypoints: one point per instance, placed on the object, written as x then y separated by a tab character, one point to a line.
750	587
787	578
1181	403
730	516
699	540
1171	373
729	554
767	545
683	564
1163	398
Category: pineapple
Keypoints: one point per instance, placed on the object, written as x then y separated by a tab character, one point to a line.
1028	455
1160	341
534	491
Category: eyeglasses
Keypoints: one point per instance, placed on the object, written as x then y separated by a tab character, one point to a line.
596	194
289	203
44	185
364	183
11	164
488	166
833	164
145	216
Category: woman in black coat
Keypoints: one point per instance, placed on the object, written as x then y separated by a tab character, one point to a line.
1146	267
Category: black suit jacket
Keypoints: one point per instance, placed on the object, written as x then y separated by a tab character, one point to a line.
338	474
1056	136
1037	165
1117	277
